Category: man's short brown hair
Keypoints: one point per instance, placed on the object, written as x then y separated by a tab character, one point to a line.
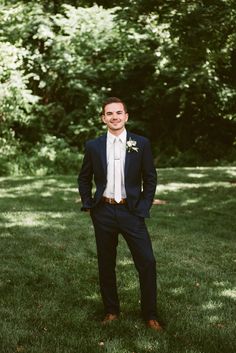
113	100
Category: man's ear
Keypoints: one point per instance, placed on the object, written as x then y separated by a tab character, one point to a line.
127	116
103	118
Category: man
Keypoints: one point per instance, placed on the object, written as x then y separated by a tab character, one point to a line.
121	165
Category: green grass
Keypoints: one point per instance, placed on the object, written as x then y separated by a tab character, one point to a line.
49	295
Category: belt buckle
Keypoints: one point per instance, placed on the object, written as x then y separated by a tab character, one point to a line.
107	199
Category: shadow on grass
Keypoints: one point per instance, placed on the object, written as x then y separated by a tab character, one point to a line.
49	290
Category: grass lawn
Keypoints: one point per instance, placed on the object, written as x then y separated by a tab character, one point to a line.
49	294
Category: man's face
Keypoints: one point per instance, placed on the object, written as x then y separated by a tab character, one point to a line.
115	117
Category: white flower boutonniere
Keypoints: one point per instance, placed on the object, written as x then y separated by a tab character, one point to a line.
131	145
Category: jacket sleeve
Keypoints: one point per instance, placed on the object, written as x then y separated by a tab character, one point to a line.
149	175
85	179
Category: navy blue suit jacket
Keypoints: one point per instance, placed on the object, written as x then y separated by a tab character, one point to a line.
140	174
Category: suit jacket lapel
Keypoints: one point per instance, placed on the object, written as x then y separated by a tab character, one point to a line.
127	156
103	149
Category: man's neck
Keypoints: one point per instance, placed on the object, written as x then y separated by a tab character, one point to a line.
116	132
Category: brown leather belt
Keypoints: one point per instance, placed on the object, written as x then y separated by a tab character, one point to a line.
112	201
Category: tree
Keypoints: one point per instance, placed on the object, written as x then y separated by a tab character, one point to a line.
174	64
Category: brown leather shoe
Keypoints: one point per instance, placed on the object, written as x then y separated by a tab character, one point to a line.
154	325
109	318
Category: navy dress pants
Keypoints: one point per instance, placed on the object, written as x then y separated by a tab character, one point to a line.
109	221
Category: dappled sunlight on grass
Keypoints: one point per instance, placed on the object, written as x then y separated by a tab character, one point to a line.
6	235
146	346
125	262
212	305
184	186
231	171
229	293
196	175
32	186
38	219
220	284
49	277
128	286
24	219
213	319
177	291
93	296
190	201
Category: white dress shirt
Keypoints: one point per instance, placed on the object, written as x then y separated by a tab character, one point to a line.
109	190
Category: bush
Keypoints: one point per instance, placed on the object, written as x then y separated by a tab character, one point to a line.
52	156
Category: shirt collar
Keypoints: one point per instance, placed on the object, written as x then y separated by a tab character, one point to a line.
122	136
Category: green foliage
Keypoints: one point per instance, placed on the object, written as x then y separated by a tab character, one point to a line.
54	154
51	155
16	98
174	63
16	101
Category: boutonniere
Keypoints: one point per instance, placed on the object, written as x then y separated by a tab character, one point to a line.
131	145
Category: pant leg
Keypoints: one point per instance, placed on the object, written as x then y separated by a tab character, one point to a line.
135	232
106	235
